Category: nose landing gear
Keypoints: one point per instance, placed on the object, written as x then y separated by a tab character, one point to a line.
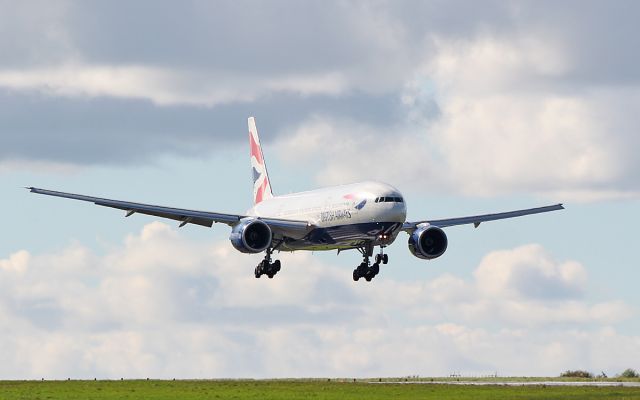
382	258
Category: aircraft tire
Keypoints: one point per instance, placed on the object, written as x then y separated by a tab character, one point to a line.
362	269
375	269
356	275
385	258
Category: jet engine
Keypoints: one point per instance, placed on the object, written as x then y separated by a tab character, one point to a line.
428	242
251	236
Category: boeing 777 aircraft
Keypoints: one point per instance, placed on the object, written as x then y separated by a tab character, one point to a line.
358	216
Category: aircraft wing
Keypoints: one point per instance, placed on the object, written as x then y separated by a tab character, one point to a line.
477	219
204	218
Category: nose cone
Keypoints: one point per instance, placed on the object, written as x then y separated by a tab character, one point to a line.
394	210
387	201
397	212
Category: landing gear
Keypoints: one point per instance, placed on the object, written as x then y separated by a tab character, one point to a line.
382	258
266	267
366	271
363	271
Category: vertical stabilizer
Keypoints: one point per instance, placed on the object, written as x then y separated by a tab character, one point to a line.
261	183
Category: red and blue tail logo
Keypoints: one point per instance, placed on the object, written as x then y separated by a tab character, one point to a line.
261	184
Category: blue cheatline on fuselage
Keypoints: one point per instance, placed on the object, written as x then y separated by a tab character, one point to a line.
346	236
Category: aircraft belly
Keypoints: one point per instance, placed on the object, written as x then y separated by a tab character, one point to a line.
344	236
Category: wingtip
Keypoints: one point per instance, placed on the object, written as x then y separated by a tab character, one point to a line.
29	188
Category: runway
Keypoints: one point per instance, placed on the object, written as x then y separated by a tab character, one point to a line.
516	383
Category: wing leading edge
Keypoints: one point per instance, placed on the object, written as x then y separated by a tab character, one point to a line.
477	219
204	218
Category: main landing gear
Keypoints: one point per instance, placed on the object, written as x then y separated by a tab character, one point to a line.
366	271
266	267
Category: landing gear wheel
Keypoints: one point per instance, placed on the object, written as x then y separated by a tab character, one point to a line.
372	272
362	269
382	258
375	269
260	270
356	275
266	267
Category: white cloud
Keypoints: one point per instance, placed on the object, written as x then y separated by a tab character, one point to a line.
492	65
523	143
527	272
206	60
519	109
17	262
328	84
508	125
161	306
37	166
505	123
164	86
350	151
527	105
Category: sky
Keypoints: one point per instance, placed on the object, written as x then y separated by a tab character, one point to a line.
466	107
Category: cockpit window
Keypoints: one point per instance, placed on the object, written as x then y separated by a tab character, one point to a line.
389	200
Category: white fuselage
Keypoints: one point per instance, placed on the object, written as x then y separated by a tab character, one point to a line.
344	216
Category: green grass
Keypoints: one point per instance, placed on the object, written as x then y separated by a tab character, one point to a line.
291	389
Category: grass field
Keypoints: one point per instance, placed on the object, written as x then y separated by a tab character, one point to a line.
293	389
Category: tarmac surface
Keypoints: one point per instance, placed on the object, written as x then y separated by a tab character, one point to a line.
515	383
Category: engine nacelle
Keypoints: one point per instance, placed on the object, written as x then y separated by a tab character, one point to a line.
428	242
251	236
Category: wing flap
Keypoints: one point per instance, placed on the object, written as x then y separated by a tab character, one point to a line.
184	216
476	220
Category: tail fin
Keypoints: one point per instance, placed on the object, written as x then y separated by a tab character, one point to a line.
261	183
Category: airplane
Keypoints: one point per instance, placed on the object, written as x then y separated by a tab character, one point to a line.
360	216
